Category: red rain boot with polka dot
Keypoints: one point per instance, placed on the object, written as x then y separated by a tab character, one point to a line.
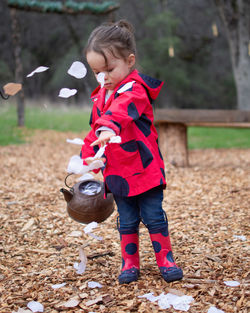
164	256
130	258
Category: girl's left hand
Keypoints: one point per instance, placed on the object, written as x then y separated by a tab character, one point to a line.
103	138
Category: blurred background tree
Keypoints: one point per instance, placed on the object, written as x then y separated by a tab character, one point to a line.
184	44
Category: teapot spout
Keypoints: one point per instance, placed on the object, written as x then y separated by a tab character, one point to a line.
67	194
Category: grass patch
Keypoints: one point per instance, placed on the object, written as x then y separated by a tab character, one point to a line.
60	119
218	137
77	120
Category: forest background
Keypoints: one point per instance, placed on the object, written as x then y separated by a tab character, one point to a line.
183	45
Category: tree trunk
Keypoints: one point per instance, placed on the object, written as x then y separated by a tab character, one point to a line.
173	143
235	15
16	37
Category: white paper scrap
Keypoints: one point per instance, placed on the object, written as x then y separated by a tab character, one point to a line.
243	238
95	165
57	286
35	306
66	92
213	309
126	87
38	70
115	139
76	141
77	69
86	176
100	78
76	166
232	283
94	284
149	296
165	301
71	303
75	233
95	237
87	229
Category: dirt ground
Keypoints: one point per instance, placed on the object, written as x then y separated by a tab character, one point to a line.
207	206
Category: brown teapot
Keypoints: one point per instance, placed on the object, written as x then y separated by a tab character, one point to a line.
85	202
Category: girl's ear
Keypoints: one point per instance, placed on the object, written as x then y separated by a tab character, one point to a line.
131	60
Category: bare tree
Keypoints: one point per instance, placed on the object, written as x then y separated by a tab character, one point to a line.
235	15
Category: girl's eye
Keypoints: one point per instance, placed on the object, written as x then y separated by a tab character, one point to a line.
110	70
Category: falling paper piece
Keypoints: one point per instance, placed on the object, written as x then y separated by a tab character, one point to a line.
35	306
75	165
126	87
100	78
11	89
57	286
87	176
78	70
66	92
76	141
243	238
93	284
87	229
213	309
231	283
38	70
96	164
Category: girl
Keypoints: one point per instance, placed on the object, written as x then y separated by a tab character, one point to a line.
134	169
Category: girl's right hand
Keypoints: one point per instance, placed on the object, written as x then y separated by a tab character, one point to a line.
103	138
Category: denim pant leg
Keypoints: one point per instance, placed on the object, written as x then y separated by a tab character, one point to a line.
129	213
152	214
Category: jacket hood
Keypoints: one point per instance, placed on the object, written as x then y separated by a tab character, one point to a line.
153	86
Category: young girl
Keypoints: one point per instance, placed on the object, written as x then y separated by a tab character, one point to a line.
134	169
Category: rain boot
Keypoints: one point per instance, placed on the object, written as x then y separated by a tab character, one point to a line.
130	257
164	256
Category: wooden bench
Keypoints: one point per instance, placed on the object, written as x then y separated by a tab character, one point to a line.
172	128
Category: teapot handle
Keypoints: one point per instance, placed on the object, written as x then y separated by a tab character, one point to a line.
65	182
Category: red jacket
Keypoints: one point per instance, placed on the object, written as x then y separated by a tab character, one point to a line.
135	165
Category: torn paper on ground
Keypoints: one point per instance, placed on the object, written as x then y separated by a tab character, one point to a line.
57	286
66	92
76	141
38	70
165	301
231	283
243	238
35	306
94	284
77	69
213	309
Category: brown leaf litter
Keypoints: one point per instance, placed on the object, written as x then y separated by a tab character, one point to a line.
207	205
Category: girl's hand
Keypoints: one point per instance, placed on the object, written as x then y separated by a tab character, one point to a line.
103	138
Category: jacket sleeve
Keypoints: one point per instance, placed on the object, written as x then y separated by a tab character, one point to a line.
87	150
127	107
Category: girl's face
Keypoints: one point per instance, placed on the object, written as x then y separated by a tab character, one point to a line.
115	70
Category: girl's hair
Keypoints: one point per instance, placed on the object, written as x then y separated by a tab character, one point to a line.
118	38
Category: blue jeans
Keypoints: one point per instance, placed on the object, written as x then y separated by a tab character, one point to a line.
145	207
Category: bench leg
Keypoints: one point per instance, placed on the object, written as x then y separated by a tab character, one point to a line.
173	143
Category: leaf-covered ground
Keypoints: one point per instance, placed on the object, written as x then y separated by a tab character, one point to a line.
207	206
